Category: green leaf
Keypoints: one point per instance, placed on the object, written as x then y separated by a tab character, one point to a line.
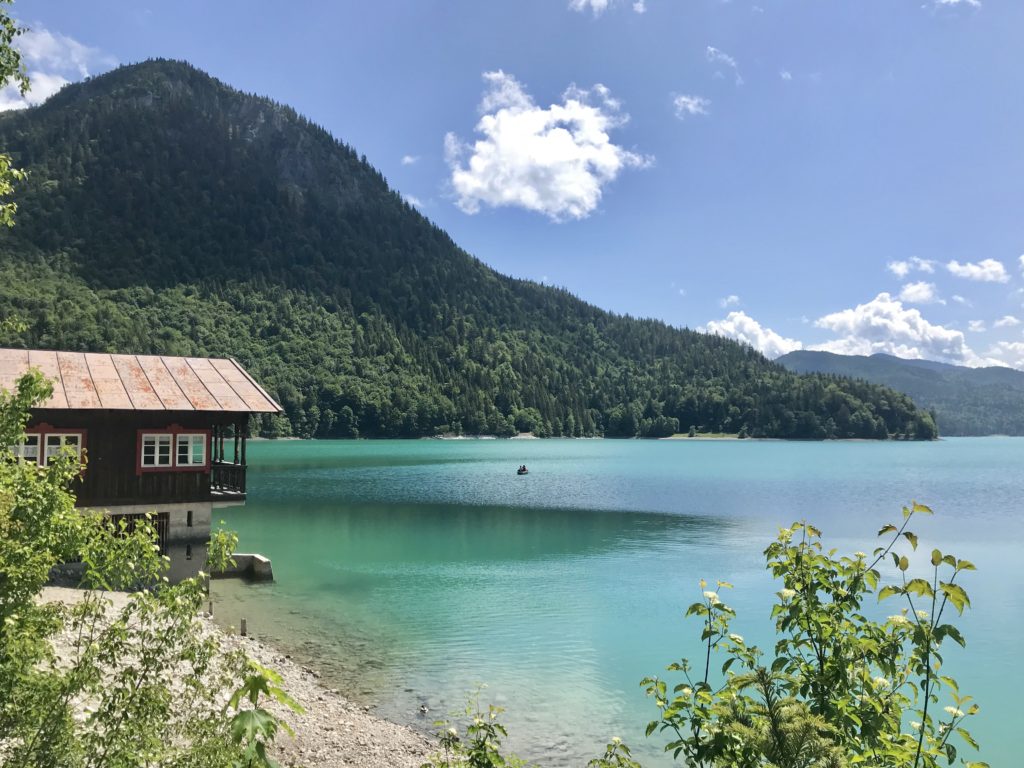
922	509
250	723
889	592
912	538
948	630
936	557
903	563
887	528
965	565
698	608
966	736
956	595
919	587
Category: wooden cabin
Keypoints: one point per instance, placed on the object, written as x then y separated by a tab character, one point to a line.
155	434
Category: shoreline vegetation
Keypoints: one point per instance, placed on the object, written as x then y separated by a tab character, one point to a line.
697	437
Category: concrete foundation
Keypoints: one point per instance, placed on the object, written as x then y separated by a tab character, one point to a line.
248	566
185	522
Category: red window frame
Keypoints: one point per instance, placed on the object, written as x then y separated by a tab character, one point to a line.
173	430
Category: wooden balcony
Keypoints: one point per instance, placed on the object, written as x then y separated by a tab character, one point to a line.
227	480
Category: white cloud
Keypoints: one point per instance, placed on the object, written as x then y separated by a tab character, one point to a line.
716	56
412	200
920	293
985	271
899	268
884	325
1021	260
786	74
600	6
1009	353
553	160
740	326
52	60
976	326
409	159
729	301
1006	321
903	268
972	3
597	6
682	291
961	300
686	106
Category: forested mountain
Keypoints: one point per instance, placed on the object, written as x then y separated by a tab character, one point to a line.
166	212
966	401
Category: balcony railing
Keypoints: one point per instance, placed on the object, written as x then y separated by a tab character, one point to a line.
227	478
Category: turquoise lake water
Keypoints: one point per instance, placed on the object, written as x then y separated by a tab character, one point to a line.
409	572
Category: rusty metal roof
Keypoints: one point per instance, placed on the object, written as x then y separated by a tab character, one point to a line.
85	380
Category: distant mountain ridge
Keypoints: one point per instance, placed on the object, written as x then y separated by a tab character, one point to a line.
166	212
966	401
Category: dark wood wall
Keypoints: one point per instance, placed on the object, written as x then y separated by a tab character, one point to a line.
111	450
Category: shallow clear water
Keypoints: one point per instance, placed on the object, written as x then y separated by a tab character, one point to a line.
411	571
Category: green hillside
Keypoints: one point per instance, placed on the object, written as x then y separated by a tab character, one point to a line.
166	212
966	401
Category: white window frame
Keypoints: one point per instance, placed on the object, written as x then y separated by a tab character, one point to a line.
65	439
19	449
157	438
192	440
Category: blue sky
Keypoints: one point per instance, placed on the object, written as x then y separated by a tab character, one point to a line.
846	175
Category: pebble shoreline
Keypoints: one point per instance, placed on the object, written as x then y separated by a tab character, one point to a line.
332	731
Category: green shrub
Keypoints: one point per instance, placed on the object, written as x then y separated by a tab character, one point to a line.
841	689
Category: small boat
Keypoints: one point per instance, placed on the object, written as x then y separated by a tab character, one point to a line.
522	471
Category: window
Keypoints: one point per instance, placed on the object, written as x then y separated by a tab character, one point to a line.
57	441
44	443
172	450
28	450
156	450
191	450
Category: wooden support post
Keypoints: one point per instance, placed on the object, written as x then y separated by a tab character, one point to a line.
235	455
245	431
242	628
